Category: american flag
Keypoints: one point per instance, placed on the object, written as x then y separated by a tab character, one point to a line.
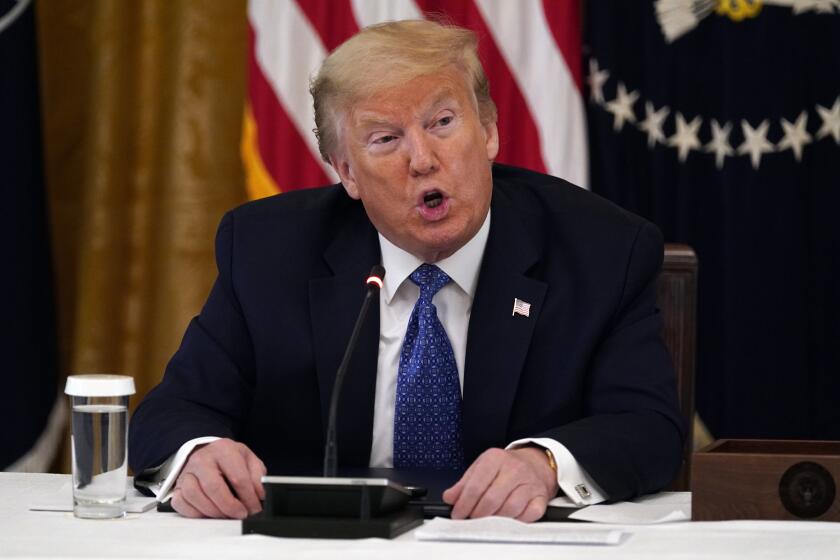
530	50
521	308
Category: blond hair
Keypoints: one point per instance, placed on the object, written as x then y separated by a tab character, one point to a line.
388	54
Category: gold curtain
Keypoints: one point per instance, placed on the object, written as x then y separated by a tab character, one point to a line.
142	110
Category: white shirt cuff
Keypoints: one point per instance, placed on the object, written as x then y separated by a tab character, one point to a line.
164	479
573	480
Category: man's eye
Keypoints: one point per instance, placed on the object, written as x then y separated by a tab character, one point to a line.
445	120
384	139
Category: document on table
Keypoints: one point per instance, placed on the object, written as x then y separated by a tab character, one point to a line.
62	500
506	530
664	507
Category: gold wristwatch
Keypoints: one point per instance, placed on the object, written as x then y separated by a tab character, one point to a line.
551	462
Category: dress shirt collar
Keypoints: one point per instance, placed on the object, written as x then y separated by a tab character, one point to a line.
462	266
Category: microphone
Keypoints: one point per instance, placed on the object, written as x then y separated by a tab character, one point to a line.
330	506
374	284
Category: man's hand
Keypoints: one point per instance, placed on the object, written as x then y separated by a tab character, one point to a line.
516	483
220	479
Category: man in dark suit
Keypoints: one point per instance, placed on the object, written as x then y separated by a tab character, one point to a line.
516	333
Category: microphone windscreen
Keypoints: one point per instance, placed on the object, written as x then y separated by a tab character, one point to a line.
374	279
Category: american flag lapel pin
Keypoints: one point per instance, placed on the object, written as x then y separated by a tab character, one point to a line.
521	308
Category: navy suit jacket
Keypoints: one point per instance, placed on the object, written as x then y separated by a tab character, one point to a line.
587	368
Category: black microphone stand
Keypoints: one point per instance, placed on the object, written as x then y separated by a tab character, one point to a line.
374	284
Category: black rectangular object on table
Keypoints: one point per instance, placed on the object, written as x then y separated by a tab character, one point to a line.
339	508
333	497
386	526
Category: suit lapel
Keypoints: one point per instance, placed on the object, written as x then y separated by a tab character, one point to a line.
334	305
497	342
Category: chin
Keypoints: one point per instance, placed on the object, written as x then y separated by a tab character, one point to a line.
439	248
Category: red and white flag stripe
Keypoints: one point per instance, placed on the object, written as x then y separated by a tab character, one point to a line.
530	50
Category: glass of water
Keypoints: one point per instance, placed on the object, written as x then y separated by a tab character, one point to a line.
99	441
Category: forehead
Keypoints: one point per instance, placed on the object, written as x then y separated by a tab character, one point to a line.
412	98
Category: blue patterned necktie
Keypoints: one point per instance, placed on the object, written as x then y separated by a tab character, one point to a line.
427	416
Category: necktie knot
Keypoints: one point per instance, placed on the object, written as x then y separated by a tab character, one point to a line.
430	279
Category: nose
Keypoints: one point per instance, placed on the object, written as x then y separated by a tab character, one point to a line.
421	155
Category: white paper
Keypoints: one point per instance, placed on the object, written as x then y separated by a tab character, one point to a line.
664	507
505	530
135	502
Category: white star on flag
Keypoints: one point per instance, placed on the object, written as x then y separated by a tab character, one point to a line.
622	106
755	141
831	121
596	79
795	135
653	123
719	145
685	138
521	308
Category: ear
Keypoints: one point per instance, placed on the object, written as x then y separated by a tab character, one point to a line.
491	140
345	174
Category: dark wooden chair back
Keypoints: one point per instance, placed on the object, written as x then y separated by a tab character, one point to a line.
677	300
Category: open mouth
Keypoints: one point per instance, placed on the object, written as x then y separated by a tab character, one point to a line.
432	199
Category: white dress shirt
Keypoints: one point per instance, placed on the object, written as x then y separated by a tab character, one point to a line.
396	302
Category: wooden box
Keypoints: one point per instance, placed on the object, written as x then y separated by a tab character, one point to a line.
766	479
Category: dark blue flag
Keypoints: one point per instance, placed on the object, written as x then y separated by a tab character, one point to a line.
28	365
720	122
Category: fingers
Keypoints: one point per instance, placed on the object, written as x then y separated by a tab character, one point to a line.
212	487
515	503
238	476
182	507
475	483
500	483
534	510
451	495
220	479
257	470
190	499
511	505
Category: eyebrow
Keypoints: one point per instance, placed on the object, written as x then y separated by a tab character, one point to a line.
368	118
371	118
